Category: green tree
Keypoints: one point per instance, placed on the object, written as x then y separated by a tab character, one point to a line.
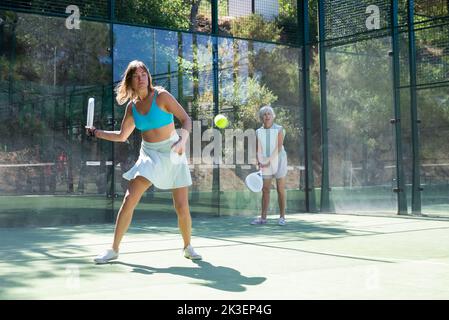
170	14
254	27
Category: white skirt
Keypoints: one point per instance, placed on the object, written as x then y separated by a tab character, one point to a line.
277	168
161	166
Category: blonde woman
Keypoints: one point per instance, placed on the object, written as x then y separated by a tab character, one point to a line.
162	159
272	161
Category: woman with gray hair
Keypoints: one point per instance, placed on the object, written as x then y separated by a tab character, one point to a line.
272	161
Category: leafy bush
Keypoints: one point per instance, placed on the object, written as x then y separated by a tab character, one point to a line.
255	27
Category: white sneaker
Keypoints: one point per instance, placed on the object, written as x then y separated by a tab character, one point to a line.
190	253
259	221
282	221
106	256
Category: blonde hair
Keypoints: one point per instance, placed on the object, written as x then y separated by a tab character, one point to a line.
124	89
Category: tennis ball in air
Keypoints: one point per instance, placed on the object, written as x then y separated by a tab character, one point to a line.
221	121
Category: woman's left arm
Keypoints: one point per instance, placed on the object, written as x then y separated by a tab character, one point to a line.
279	145
170	104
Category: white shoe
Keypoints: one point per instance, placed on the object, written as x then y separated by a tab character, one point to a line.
282	221
190	253
259	221
106	256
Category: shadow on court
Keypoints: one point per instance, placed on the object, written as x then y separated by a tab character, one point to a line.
314	256
31	256
217	277
235	227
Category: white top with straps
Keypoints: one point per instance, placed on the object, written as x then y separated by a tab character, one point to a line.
268	138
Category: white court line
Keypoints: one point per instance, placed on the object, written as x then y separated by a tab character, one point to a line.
97	163
44	164
27	165
233	166
422	165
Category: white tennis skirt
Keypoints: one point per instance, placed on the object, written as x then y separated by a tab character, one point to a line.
161	166
277	168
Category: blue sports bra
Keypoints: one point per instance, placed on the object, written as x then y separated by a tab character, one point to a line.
153	119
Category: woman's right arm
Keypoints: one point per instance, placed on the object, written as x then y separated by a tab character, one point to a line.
126	128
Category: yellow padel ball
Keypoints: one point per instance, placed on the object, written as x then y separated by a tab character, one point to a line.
221	121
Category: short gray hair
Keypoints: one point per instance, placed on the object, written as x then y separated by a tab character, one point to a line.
264	110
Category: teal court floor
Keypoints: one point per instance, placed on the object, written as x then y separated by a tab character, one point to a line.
315	256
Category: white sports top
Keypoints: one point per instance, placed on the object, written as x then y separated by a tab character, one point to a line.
268	138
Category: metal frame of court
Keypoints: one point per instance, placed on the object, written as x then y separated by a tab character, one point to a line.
401	21
314	256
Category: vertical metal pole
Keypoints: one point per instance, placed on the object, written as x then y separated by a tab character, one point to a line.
180	76
325	203
169	77
400	184
70	187
2	31
12	66
303	22
416	183
111	45
195	73
215	66
54	70
154	51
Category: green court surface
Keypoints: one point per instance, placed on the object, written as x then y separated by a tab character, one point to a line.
315	256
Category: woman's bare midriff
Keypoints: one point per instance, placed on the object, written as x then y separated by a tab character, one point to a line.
159	134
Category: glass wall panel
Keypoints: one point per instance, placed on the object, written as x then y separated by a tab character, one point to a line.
433	112
49	171
432	99
253	75
182	64
361	138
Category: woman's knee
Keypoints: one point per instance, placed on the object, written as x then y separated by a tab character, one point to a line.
136	188
280	189
131	200
181	207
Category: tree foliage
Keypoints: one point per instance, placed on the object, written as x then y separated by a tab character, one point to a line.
170	14
255	27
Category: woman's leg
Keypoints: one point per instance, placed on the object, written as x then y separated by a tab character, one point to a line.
136	188
280	186
181	204
265	197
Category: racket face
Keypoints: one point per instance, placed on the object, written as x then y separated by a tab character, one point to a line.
90	113
254	182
